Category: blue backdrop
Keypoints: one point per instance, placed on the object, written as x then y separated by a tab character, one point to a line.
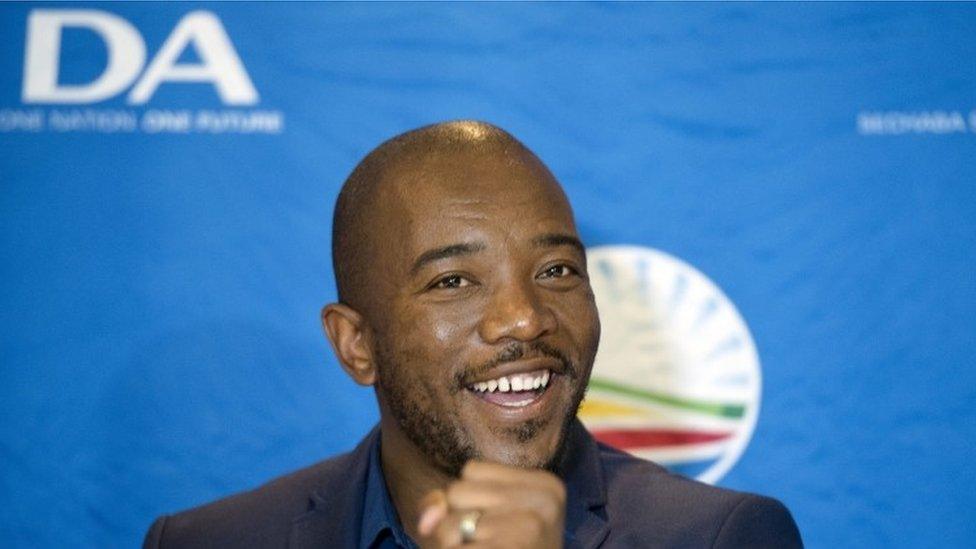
163	262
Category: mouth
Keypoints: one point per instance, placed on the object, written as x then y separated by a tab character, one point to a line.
514	391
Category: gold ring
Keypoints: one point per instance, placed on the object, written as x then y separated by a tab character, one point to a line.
468	525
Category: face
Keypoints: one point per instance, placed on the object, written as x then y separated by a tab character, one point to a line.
486	328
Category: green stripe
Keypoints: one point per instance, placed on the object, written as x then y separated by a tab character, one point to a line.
734	411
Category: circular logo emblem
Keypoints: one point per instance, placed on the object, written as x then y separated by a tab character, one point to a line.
676	378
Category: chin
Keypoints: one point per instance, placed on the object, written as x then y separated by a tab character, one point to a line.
529	446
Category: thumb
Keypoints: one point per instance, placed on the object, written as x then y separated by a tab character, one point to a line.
433	510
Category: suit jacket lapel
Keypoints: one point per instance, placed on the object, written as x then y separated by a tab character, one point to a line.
336	503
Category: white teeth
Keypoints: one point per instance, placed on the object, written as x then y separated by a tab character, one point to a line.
516	383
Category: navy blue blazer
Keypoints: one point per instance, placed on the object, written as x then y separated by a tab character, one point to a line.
613	500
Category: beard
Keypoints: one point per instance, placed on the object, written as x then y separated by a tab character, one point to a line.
439	433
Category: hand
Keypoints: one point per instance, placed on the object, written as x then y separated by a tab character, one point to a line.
519	508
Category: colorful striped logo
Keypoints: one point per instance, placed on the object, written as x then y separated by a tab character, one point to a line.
677	378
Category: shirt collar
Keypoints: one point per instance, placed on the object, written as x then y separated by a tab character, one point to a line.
380	519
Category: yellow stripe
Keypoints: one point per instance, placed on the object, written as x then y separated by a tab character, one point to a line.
593	408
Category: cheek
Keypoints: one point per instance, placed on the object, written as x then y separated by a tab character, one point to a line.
450	326
433	342
579	319
445	332
431	323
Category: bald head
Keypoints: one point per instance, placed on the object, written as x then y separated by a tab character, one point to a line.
396	168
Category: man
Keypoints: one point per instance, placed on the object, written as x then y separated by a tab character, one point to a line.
464	301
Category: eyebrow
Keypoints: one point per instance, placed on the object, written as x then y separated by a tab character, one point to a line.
453	250
553	240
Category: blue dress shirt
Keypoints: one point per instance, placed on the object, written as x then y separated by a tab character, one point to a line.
381	528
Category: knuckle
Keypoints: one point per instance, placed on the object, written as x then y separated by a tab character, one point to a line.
535	524
552	506
561	494
445	533
452	491
471	466
558	490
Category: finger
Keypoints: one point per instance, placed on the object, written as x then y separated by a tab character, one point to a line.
469	494
496	472
434	508
514	478
515	529
447	532
497	529
484	496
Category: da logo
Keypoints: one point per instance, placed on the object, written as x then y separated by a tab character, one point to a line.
219	63
676	378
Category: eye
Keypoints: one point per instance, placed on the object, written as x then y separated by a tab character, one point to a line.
450	282
558	271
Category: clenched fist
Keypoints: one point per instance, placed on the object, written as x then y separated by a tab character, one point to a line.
514	508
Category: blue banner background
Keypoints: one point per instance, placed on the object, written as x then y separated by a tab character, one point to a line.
160	296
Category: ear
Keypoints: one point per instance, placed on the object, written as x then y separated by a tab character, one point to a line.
347	331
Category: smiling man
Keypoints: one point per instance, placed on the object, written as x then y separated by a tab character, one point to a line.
464	301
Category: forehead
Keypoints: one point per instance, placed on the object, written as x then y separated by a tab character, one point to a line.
448	196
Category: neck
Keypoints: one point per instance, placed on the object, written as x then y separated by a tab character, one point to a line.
409	474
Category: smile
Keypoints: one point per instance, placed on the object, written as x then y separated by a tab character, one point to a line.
514	390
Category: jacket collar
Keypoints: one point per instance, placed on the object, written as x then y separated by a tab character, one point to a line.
334	514
335	505
586	495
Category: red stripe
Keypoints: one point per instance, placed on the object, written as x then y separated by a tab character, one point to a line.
646	438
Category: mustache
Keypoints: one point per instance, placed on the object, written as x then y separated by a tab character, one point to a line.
516	351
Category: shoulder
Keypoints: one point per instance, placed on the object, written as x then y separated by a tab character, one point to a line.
649	506
261	517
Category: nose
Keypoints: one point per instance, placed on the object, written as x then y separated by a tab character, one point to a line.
516	312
